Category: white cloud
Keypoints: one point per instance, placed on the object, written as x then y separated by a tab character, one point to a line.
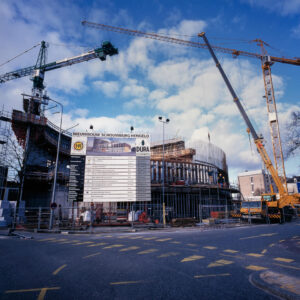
157	94
173	73
235	144
119	124
109	88
296	31
69	80
186	28
116	65
283	7
228	110
132	89
200	134
137	53
203	90
81	112
134	103
11	93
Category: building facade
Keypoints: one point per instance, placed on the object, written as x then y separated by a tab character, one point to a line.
255	183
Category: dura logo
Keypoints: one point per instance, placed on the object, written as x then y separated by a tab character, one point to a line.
142	148
78	146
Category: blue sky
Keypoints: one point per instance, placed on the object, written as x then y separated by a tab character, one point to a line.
150	78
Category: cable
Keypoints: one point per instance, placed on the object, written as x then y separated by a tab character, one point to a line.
19	55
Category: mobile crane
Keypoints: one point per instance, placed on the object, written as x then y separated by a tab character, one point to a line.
278	205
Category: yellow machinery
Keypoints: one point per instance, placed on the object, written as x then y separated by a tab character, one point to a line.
253	210
279	205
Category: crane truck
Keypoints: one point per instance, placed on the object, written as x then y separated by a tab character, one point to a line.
278	205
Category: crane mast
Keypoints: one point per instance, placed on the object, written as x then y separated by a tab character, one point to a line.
266	64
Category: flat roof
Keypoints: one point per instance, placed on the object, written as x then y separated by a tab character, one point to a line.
249	173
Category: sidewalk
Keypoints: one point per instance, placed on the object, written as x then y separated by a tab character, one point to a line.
278	284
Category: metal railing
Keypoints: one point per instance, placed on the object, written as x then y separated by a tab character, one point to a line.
85	215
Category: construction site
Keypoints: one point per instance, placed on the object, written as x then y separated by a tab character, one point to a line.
193	189
189	184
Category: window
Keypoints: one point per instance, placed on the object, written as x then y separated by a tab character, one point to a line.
251	204
251	179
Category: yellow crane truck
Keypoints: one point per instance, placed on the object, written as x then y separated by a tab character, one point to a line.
278	205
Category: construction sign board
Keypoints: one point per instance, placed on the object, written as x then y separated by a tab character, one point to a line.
110	167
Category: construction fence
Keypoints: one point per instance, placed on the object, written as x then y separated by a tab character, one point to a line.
176	210
84	216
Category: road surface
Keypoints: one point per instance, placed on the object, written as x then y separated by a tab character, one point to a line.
166	264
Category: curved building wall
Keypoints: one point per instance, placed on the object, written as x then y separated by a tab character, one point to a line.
208	153
185	173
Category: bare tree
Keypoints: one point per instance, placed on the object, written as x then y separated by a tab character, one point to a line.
13	157
293	134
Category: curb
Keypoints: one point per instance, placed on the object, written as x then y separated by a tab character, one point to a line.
139	229
97	230
256	281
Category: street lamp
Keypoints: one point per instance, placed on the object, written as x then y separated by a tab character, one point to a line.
56	161
164	121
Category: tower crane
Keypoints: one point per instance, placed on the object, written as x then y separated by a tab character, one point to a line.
266	62
32	105
38	70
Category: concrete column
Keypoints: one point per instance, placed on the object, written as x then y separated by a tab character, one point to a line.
200	174
152	170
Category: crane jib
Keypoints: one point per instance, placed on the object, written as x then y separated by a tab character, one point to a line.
168	39
101	53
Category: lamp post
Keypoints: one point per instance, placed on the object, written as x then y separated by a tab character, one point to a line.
164	121
56	162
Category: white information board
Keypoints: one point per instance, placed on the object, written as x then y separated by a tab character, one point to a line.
116	167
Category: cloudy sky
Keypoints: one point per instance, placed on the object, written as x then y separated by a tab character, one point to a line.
151	78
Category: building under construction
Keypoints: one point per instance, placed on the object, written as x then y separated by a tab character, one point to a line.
195	178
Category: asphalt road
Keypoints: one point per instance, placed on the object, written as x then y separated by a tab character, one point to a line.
176	264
